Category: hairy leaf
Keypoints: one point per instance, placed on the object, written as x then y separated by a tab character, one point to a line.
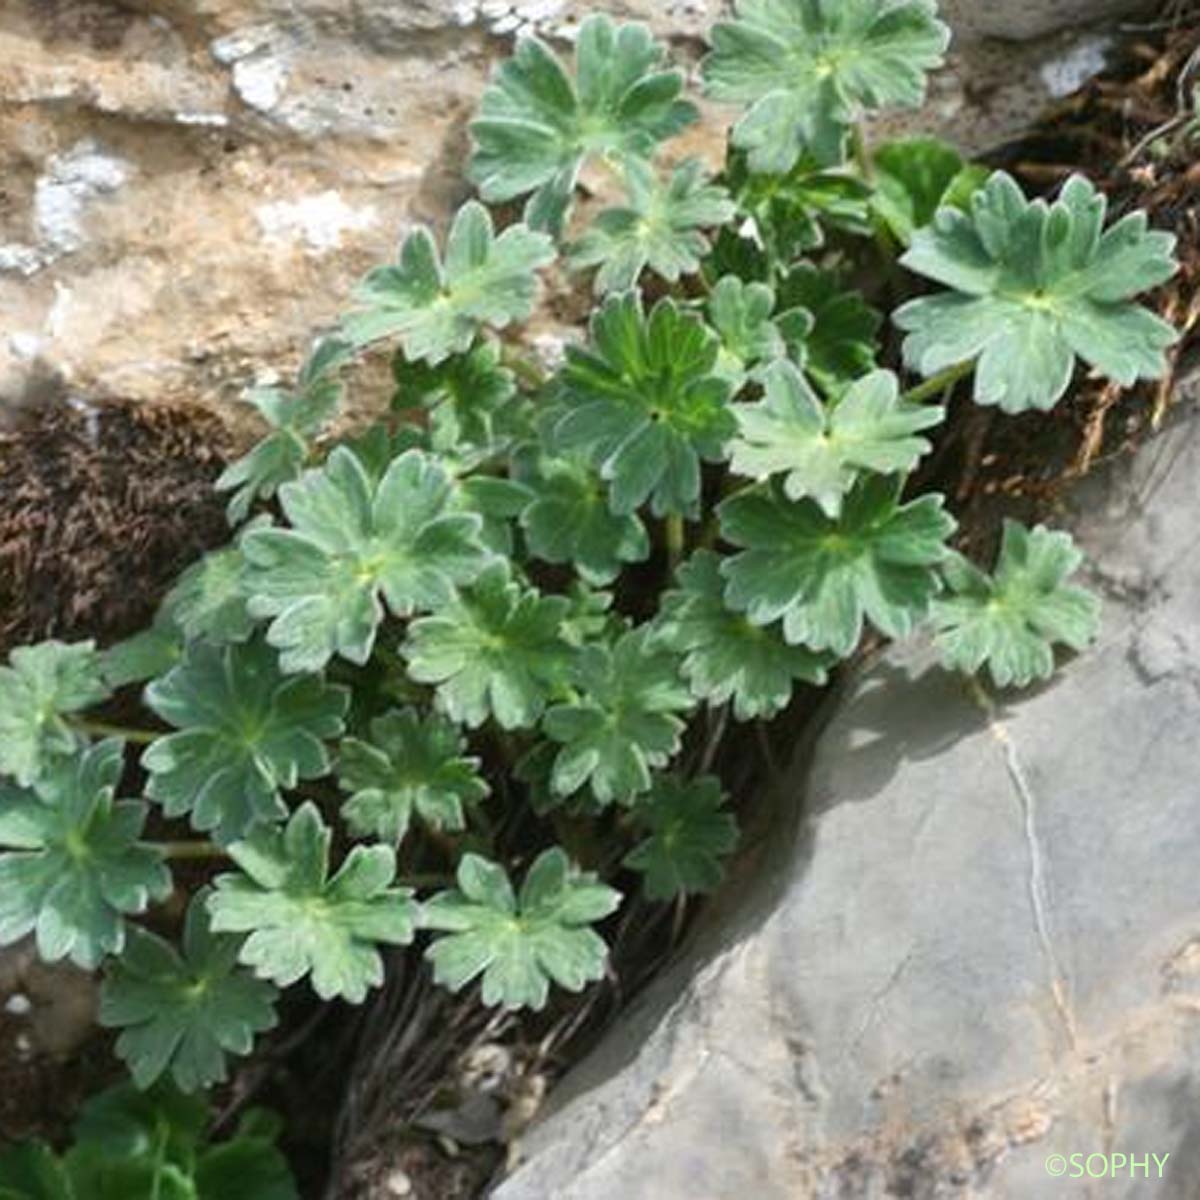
497	651
689	835
644	403
820	450
39	687
353	542
825	576
182	1013
245	733
437	307
1034	286
725	656
1011	620
660	228
300	921
520	944
73	866
624	722
537	125
410	767
808	68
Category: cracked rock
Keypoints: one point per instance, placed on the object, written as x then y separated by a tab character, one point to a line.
976	947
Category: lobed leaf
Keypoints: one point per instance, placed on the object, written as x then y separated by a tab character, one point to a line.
568	519
302	922
353	543
409	767
295	417
246	732
519	944
537	125
807	69
660	228
689	834
73	866
182	1014
825	577
625	721
1034	286
1011	620
645	404
39	688
726	658
496	651
820	450
437	307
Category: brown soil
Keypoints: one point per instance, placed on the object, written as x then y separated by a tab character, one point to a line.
100	508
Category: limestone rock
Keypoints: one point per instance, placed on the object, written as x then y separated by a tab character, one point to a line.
979	948
192	187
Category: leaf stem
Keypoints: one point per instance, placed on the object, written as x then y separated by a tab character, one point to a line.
935	385
191	850
523	367
675	542
862	152
107	729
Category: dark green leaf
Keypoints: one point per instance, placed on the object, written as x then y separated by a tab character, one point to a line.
409	767
689	835
73	866
644	403
183	1013
823	576
246	733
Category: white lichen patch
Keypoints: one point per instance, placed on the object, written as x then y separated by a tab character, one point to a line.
518	17
61	196
259	73
319	220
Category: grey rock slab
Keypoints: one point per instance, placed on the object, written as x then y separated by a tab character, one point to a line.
976	945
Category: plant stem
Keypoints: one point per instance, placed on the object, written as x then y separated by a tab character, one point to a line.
526	369
105	729
191	850
935	385
674	539
862	152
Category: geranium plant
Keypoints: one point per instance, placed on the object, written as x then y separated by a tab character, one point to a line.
505	601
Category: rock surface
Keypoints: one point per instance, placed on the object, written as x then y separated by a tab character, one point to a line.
191	187
980	948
